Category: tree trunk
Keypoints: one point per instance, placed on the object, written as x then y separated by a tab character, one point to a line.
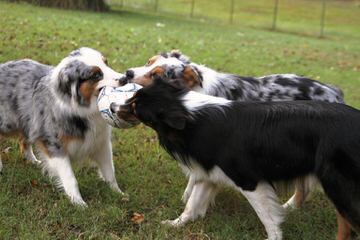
94	5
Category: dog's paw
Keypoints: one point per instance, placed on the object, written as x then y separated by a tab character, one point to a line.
173	223
79	202
34	161
116	188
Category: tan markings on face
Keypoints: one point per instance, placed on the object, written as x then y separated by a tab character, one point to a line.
147	79
190	77
344	228
152	60
105	60
66	140
87	90
88	87
126	115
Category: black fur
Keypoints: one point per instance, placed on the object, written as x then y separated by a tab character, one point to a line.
262	141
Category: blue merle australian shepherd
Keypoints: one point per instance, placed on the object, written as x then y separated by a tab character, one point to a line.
199	78
55	109
251	145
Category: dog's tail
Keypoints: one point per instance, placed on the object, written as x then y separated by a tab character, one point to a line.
340	178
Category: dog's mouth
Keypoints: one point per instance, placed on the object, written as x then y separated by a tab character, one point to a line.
125	112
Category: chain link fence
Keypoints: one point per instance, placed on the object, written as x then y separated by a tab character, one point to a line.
310	17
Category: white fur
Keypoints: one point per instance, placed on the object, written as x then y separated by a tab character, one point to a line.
60	168
1	165
263	199
188	190
265	203
194	100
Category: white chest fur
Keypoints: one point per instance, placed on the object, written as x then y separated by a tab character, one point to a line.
96	137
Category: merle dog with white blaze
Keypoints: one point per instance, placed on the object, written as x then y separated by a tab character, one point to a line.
199	78
251	145
55	109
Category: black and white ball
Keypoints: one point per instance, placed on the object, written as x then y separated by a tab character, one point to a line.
111	95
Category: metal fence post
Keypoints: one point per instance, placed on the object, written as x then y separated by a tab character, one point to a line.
322	21
156	5
276	6
192	8
232	11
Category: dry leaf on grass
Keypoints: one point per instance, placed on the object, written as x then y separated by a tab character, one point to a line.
137	218
34	183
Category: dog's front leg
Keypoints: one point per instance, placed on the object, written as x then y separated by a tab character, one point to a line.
265	203
60	167
202	195
104	160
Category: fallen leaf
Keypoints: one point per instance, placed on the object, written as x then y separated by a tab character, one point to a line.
137	218
34	183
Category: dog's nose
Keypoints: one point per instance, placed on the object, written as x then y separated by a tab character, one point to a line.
130	74
122	81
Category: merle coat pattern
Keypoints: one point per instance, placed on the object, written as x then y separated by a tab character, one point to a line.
55	109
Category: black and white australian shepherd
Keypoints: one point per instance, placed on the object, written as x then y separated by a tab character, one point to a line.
55	109
199	78
251	145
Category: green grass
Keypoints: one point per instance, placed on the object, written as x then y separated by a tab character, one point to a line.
36	210
295	16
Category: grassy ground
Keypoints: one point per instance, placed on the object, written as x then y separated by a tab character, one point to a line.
31	207
294	16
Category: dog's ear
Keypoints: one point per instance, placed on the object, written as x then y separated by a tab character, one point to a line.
92	73
88	83
175	119
80	76
191	77
172	85
158	72
176	53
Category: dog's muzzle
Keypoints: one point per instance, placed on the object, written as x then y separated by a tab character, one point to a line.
124	112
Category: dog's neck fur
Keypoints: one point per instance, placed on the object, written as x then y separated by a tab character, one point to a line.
226	85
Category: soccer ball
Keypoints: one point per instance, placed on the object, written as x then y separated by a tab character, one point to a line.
118	96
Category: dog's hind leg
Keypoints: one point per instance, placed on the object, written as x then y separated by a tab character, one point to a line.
104	160
265	203
341	185
344	229
60	167
303	187
202	195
